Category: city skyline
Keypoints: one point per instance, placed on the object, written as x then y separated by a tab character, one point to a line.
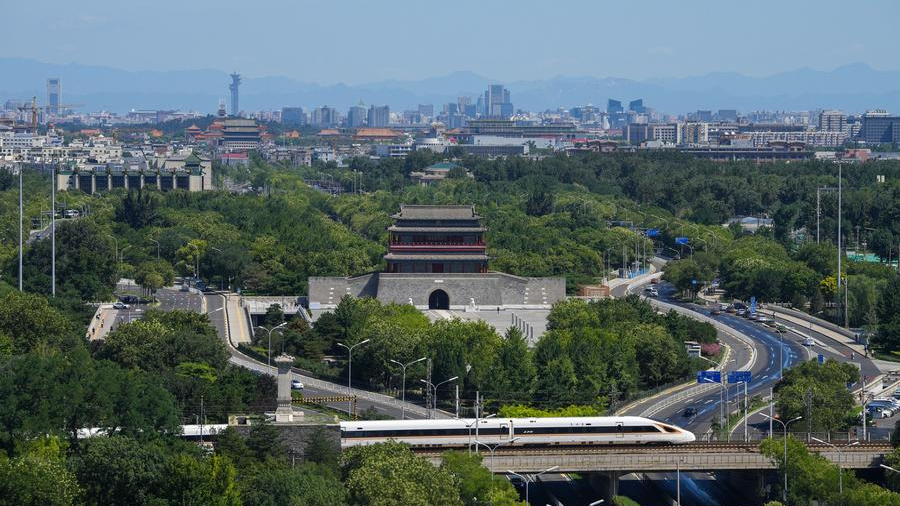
530	40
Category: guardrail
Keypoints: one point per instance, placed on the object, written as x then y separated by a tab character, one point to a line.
812	319
700	388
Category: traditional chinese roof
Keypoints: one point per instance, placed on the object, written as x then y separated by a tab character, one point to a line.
435	257
422	212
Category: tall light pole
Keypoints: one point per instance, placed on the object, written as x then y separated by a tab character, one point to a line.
435	388
678	481
526	480
403	391
350	371
840	460
122	254
492	449
53	230
116	241
21	226
839	239
269	354
784	462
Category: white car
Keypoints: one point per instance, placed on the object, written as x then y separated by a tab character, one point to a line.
808	341
296	384
120	305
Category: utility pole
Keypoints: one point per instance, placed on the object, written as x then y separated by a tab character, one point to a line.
21	226
53	231
428	398
839	240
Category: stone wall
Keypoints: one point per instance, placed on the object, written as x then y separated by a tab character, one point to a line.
491	289
294	436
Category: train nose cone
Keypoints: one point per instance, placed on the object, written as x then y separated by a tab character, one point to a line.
689	437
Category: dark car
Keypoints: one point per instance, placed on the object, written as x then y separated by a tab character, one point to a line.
716	312
689	412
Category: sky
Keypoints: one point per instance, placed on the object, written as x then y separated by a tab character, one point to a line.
363	41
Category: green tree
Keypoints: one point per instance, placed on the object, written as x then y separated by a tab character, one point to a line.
818	393
888	336
203	481
139	208
39	477
305	485
388	474
30	323
514	370
121	471
475	483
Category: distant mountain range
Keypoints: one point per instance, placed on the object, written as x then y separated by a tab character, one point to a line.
853	88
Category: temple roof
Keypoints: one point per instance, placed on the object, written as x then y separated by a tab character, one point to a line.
395	228
434	256
421	212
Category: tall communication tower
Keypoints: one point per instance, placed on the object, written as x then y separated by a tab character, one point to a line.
235	83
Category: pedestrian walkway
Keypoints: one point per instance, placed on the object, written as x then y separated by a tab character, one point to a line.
238	324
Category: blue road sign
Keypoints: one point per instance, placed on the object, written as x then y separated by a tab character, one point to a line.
821	358
693	281
681	240
709	377
739	377
752	305
652	232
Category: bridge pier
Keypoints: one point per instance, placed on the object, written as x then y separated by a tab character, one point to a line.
751	481
606	482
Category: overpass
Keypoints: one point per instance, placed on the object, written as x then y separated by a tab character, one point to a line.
641	458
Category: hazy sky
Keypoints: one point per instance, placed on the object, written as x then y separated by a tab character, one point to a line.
358	41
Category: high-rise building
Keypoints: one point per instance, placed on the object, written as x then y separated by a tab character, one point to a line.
426	110
832	121
613	106
324	117
879	127
293	116
235	83
727	115
357	116
379	116
497	103
637	106
694	132
54	94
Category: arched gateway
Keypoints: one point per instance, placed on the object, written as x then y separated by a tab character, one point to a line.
438	300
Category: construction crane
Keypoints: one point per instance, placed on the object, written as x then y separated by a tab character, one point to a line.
34	111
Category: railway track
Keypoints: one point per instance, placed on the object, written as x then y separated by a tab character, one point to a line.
712	447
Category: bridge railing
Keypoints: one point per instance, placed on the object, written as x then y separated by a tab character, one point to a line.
837	438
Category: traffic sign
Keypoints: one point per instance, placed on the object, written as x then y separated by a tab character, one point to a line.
739	377
752	305
652	232
709	377
681	240
821	358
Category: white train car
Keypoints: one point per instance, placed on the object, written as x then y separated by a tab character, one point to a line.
521	431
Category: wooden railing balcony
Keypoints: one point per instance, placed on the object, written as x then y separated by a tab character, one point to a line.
432	245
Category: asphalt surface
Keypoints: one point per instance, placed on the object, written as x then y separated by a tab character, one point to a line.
214	308
703	488
169	299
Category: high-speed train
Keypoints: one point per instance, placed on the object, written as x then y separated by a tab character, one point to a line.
520	431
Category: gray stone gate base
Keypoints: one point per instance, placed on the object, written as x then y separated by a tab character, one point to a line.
465	291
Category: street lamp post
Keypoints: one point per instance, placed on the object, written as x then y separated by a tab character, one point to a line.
492	449
157	246
269	354
525	479
350	371
784	462
403	392
678	481
840	461
475	423
122	259
434	387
